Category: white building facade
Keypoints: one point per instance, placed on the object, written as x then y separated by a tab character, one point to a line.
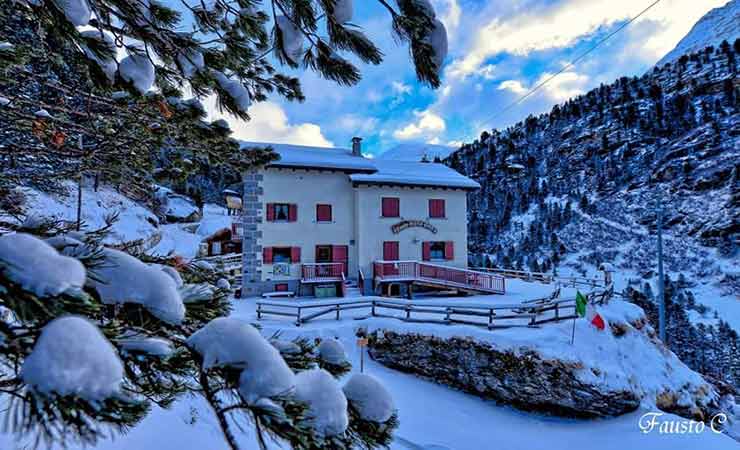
321	212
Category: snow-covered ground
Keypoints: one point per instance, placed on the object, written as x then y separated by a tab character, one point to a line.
134	221
183	239
432	415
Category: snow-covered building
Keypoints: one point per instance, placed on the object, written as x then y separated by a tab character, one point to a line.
323	214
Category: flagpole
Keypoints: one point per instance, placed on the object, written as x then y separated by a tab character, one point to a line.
573	333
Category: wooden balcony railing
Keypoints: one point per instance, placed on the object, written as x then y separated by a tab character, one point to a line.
321	272
385	271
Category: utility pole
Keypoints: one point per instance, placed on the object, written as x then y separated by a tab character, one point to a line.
79	188
661	287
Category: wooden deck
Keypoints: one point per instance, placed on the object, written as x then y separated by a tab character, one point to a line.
438	276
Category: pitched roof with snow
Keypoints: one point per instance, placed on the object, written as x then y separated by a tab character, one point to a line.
367	171
415	174
299	156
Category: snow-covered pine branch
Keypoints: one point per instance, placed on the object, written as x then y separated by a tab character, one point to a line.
91	337
234	38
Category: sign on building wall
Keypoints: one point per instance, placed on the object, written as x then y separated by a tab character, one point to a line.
404	224
281	269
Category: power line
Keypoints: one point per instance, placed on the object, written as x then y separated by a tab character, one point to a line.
571	63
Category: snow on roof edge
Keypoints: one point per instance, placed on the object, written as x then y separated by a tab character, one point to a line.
368	171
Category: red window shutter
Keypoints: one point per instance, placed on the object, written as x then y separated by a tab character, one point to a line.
426	251
390	207
449	250
339	253
323	213
436	208
295	254
292	213
390	251
267	255
270	212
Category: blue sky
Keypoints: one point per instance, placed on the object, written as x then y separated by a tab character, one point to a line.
497	51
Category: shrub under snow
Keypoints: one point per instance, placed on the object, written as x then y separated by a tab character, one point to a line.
139	71
121	278
232	342
72	357
369	397
332	352
37	267
327	405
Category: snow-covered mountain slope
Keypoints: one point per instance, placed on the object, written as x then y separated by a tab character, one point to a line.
581	185
416	151
719	24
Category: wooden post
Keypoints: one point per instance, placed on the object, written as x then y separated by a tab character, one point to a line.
259	311
338	309
408	312
298	317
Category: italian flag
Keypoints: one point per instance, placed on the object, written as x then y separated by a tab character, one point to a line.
594	317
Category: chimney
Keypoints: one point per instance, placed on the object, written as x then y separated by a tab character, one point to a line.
357	146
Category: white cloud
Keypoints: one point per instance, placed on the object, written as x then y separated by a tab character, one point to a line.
400	88
448	12
355	124
429	125
270	124
514	86
562	25
564	86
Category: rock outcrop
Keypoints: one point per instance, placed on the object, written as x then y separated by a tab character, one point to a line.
603	373
526	380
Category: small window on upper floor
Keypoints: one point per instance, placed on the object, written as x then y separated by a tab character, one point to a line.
437	208
323	213
390	207
282	211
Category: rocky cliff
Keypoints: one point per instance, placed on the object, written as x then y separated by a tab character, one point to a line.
604	373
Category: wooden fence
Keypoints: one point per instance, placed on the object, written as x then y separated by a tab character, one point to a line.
545	277
488	316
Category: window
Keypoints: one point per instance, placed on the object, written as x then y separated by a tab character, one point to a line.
281	255
281	287
282	212
323	253
390	207
390	251
278	255
323	213
436	208
438	250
